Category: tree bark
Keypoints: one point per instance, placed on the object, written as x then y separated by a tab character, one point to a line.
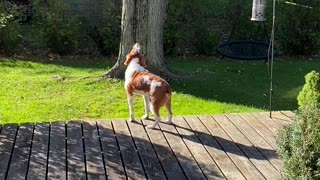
142	21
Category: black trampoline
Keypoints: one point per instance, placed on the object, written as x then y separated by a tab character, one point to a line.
245	50
254	49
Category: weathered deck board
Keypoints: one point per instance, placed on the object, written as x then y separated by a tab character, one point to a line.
231	146
289	114
7	139
76	163
268	122
149	158
132	163
214	149
256	140
19	162
181	151
260	128
57	152
94	162
204	160
280	118
166	157
38	159
235	153
111	151
262	164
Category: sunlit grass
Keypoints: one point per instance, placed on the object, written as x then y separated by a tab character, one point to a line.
36	92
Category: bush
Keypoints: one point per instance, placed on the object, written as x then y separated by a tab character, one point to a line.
58	33
10	36
309	96
192	27
107	35
299	146
299	143
298	27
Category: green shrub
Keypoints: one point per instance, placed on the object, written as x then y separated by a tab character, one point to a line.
10	36
298	27
107	34
299	143
299	146
309	96
59	34
192	27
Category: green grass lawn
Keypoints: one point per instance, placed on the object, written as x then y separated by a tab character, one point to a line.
30	91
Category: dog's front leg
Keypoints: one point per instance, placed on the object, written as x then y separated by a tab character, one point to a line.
146	106
130	103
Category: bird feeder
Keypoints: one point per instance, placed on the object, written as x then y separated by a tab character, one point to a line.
258	10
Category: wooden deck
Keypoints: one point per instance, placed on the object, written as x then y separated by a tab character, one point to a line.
232	146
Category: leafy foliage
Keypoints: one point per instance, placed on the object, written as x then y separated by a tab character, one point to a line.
107	35
10	35
58	33
309	96
299	143
191	27
299	26
299	146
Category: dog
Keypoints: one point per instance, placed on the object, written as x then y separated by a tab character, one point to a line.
156	91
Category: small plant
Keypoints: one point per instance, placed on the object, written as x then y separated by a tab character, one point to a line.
309	96
299	143
299	146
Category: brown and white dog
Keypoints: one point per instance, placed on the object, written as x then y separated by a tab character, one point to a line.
155	90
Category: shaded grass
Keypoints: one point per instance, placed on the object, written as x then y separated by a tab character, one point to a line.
245	82
32	91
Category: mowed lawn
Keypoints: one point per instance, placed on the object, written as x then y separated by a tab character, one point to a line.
35	91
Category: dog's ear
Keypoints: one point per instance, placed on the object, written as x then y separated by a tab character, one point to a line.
128	59
142	61
135	51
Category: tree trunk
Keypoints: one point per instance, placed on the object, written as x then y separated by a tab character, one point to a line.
142	22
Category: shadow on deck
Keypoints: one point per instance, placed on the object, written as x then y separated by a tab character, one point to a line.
231	146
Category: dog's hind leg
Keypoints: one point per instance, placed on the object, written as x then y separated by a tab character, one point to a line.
146	99
155	110
168	107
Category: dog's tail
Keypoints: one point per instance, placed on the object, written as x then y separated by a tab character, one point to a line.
168	90
168	103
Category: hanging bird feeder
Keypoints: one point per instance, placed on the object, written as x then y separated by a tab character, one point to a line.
258	10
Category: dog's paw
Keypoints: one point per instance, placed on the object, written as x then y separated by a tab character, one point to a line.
145	117
168	122
150	127
131	120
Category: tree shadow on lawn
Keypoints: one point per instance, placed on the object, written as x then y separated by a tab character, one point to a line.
247	85
240	83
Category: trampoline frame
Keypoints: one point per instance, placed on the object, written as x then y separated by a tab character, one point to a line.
240	43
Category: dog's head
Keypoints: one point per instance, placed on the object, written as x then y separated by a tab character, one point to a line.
135	53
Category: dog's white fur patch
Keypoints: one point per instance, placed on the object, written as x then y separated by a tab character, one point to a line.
147	80
137	47
132	67
154	85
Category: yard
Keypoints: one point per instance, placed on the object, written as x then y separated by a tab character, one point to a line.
59	119
43	90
